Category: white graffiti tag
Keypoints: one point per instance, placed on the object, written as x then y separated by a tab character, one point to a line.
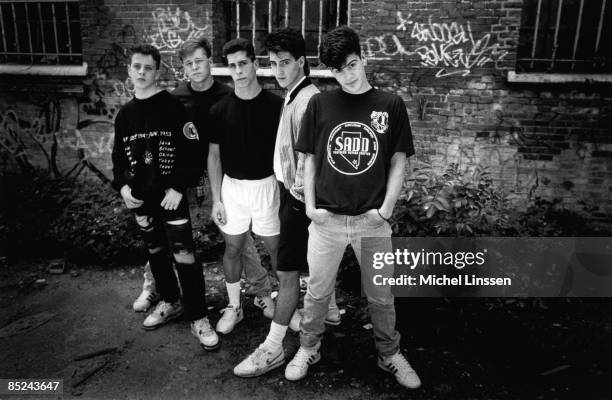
450	46
173	28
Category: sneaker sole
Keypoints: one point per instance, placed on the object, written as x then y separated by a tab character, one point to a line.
332	322
263	371
152	328
316	360
211	348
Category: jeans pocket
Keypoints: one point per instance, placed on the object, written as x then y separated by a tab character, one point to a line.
373	218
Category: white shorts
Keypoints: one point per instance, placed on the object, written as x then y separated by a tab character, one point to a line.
247	201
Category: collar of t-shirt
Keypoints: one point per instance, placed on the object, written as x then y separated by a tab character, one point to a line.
305	81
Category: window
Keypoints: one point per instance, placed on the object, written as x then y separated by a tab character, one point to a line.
40	32
565	37
254	19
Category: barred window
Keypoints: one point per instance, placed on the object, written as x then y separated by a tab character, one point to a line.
565	36
254	19
40	32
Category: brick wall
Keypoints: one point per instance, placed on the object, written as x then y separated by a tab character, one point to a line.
447	59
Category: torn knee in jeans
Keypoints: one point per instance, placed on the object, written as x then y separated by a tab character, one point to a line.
181	241
184	256
178	222
144	221
155	250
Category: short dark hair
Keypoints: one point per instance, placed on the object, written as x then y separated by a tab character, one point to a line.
337	45
192	45
147	50
239	44
289	40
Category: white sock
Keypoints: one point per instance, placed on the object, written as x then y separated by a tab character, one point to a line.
332	301
233	292
275	337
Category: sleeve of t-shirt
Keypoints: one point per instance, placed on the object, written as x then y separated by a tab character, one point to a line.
185	169
306	138
216	124
401	133
121	163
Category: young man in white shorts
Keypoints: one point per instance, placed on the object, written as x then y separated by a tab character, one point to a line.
245	193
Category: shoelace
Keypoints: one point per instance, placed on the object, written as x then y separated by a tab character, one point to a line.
204	327
302	356
259	356
162	307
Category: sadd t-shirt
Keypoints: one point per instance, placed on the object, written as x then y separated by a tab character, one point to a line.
353	138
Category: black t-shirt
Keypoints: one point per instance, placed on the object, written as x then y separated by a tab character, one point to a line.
198	106
353	138
151	150
246	132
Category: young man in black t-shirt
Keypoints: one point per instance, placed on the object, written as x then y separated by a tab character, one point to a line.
356	140
240	169
152	167
198	94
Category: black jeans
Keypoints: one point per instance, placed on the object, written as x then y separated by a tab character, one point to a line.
165	230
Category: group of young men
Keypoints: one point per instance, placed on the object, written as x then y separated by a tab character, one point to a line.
309	174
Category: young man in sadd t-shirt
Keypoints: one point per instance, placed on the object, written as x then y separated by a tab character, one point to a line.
153	164
356	140
243	129
198	94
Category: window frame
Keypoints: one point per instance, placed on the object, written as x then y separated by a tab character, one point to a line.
544	77
32	68
266	71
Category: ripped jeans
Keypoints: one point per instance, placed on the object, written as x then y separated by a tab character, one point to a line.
168	233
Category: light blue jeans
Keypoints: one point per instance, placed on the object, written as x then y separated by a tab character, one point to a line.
257	278
326	244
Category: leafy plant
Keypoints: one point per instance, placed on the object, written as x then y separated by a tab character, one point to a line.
452	203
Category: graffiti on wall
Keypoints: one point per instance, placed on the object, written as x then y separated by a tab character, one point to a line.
451	47
171	29
28	141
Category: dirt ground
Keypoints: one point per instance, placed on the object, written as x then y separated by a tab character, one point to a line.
462	348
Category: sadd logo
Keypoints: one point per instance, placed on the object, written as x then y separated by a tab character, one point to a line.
352	148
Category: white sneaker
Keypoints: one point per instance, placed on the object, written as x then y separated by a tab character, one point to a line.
149	296
305	357
146	300
266	304
333	317
163	313
296	319
259	362
231	316
399	366
205	333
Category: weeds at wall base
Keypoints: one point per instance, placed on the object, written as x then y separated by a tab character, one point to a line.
86	221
